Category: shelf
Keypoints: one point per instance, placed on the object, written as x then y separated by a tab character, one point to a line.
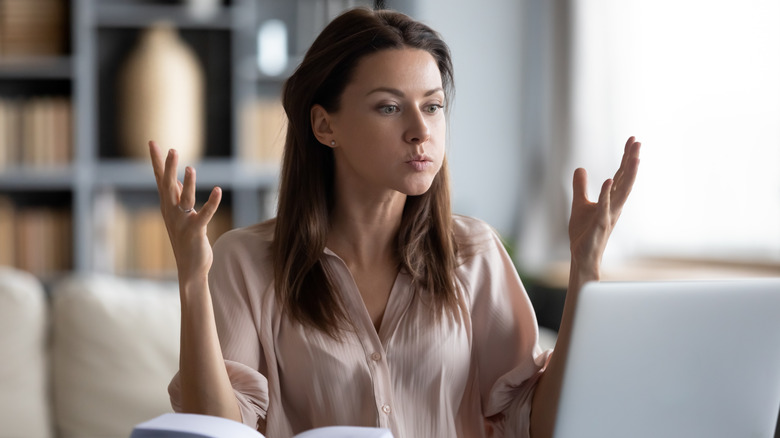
53	67
225	173
250	71
99	180
37	178
666	269
137	16
254	175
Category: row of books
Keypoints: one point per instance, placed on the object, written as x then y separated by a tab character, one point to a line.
129	240
33	27
35	239
36	131
132	239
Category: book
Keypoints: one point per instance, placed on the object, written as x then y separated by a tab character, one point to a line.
206	426
36	131
43	240
10	132
32	27
7	232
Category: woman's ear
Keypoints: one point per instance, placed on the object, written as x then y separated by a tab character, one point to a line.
320	125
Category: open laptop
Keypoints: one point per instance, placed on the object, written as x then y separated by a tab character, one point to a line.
673	359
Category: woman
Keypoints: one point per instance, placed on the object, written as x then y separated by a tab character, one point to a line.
365	301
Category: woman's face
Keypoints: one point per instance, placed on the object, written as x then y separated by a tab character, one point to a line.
390	129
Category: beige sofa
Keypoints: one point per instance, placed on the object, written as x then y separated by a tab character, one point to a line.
93	358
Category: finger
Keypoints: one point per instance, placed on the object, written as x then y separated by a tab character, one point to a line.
627	148
187	199
169	183
624	158
628	174
605	200
210	207
628	166
580	185
631	152
635	149
157	162
606	192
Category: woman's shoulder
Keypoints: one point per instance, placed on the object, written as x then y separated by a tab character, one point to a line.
251	239
472	231
241	273
475	240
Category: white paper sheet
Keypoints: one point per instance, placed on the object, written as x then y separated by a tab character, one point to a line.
206	426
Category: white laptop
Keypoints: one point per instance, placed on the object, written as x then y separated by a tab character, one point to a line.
673	359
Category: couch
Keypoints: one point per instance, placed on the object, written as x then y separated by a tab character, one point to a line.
90	357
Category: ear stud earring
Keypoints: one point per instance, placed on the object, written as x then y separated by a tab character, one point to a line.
333	142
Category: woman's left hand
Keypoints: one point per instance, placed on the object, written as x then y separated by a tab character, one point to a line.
591	223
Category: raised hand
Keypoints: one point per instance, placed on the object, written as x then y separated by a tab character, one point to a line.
186	227
591	223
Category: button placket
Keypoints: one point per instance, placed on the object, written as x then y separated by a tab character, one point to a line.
372	348
380	377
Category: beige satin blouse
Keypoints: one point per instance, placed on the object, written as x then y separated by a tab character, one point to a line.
419	376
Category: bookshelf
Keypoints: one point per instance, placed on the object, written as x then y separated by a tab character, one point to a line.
70	198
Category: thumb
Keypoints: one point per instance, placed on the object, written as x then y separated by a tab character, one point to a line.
580	185
210	207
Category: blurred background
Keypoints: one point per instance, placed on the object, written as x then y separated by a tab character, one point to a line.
543	87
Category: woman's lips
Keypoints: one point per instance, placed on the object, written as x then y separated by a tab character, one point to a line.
420	164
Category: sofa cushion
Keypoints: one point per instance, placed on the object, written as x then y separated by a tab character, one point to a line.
115	349
24	405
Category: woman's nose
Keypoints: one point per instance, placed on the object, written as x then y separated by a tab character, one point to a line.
417	131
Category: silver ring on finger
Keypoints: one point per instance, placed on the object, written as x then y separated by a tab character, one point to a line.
186	210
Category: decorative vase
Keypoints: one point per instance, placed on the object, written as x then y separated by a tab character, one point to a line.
161	96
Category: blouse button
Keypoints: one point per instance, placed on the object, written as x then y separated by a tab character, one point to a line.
386	409
376	356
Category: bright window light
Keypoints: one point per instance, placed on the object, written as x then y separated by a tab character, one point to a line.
698	82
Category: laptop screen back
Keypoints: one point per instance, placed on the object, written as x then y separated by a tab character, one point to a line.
673	359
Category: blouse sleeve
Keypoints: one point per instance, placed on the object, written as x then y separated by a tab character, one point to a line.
238	333
505	338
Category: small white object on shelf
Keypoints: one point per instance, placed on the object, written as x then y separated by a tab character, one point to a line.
272	54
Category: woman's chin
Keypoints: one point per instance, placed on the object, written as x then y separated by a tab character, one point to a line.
418	185
417	189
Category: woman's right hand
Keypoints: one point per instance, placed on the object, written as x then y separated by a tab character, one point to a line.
186	227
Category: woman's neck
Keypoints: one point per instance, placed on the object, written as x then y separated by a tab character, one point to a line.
364	233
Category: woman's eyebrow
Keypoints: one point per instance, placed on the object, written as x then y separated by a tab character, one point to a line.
400	93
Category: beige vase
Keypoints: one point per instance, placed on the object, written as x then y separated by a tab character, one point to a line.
161	96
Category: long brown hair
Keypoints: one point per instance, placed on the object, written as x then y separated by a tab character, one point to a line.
425	243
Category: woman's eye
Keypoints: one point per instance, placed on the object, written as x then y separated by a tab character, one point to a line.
389	109
433	108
